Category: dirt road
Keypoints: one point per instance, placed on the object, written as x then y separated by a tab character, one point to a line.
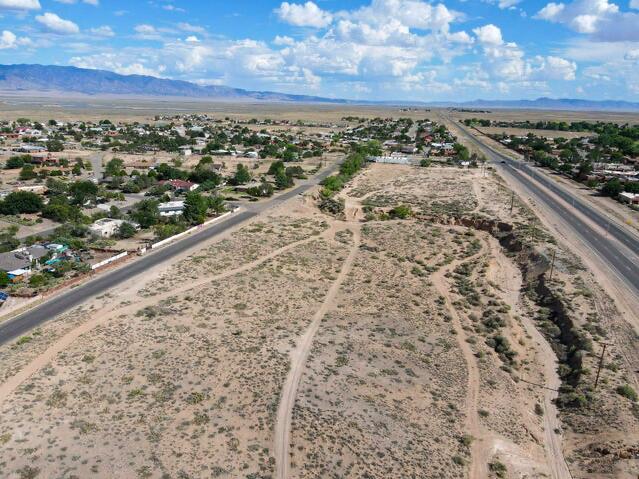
480	452
298	360
505	272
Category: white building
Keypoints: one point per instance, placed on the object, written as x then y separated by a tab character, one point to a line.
630	198
186	151
392	160
172	208
106	227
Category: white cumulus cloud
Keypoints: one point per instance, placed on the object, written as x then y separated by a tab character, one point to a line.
104	31
116	63
20	5
304	15
555	68
412	13
9	40
55	24
600	19
489	35
95	3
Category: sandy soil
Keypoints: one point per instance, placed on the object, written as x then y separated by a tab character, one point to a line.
303	345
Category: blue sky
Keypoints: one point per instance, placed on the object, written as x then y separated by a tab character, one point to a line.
364	49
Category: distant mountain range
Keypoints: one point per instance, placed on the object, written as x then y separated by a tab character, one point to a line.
49	79
63	79
550	104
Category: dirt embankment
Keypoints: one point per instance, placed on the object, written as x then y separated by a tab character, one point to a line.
568	342
580	402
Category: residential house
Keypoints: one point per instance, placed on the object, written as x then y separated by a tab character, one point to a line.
107	227
30	149
171	208
18	263
181	185
629	198
392	160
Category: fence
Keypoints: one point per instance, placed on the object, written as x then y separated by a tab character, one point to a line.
191	230
109	260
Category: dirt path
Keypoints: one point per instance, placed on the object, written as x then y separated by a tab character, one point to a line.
102	316
298	361
477	190
480	450
502	271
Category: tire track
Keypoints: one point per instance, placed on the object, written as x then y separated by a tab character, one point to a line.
298	360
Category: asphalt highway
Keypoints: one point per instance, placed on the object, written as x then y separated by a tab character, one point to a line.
620	259
27	321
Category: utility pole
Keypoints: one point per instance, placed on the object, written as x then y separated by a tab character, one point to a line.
552	264
601	360
512	203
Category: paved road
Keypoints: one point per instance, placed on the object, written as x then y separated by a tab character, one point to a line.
96	164
22	324
620	259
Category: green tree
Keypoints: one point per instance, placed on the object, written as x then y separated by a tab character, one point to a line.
83	192
146	213
275	166
37	280
56	187
461	152
27	173
242	175
584	170
4	279
55	145
612	188
289	155
195	208
282	180
264	190
165	231
8	240
216	204
114	212
21	202
126	230
370	148
62	212
295	172
115	167
15	162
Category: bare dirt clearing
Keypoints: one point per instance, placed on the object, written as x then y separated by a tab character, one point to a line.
304	345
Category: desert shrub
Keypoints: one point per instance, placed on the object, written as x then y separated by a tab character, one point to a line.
401	212
498	468
502	347
331	205
626	391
